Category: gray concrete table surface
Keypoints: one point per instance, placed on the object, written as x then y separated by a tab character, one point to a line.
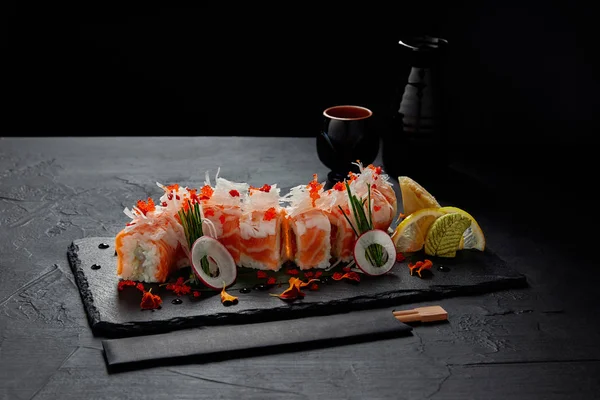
535	343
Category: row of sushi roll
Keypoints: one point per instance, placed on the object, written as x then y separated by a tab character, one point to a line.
259	227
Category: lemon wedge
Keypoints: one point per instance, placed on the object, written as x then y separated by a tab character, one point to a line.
409	235
414	196
444	235
473	237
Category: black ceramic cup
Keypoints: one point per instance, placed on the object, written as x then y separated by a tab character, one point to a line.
347	135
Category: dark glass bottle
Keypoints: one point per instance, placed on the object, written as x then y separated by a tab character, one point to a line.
415	143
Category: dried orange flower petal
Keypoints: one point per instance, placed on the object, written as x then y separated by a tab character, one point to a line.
150	301
227	299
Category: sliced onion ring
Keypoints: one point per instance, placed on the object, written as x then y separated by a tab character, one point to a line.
207	246
374	236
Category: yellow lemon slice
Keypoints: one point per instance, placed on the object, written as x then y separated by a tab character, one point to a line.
414	196
444	235
473	237
409	235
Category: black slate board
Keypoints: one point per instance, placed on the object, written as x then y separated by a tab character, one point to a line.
223	342
117	314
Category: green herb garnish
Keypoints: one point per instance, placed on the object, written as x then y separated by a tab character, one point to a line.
191	220
364	222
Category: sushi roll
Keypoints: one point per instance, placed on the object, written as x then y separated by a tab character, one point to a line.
260	229
150	248
342	236
308	227
383	198
224	209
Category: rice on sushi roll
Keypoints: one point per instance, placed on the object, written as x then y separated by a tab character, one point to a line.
309	230
224	209
260	229
150	248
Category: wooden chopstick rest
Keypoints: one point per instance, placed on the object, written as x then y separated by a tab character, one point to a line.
422	314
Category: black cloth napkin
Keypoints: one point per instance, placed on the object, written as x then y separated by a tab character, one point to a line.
212	343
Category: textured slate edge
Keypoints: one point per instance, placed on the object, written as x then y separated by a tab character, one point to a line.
217	356
93	315
286	311
250	353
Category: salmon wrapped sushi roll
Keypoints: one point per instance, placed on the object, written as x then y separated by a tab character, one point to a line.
383	198
260	229
224	209
381	183
149	249
309	229
342	236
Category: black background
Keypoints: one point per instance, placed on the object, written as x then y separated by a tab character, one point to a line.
519	79
516	71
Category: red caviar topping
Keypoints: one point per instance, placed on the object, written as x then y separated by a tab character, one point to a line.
261	274
146	207
376	208
179	287
164	204
314	187
292	271
140	287
340	187
270	214
122	284
318	274
222	219
150	301
265	188
197	294
206	192
234	193
309	274
193	195
378	170
271	280
400	257
313	287
209	213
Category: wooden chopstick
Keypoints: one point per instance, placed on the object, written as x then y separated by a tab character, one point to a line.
422	314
